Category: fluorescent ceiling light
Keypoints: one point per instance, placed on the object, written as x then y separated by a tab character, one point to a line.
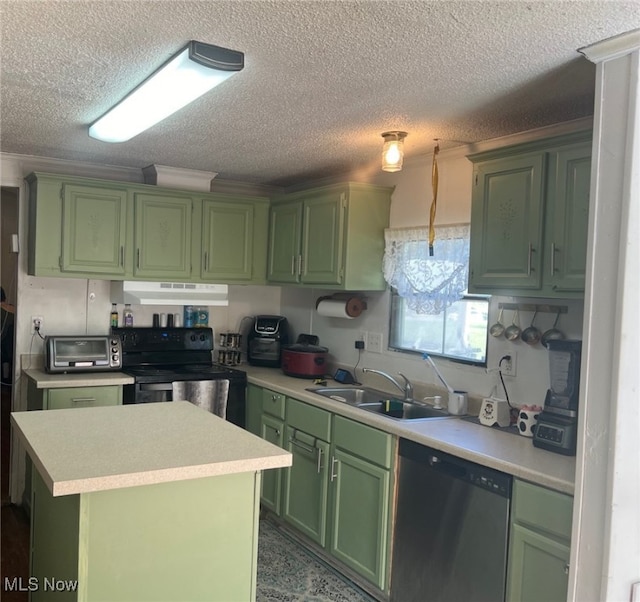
196	69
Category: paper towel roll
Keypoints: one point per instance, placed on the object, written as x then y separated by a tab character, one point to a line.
336	308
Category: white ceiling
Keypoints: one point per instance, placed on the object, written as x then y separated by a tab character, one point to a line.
322	79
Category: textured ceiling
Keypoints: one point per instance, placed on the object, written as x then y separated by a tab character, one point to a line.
322	79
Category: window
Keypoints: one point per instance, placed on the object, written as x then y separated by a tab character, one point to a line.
459	332
430	311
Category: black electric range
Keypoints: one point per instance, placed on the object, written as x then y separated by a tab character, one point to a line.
156	357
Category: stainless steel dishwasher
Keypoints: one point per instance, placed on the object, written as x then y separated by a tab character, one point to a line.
451	532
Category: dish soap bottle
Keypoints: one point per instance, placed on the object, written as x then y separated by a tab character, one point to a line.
127	316
114	315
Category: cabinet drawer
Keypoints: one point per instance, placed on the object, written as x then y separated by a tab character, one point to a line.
84	397
542	508
364	441
273	403
307	418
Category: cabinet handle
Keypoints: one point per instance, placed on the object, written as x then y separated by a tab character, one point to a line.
566	569
293	265
278	432
82	399
206	260
274	398
300	264
319	460
334	475
138	258
553	258
122	255
529	259
302	445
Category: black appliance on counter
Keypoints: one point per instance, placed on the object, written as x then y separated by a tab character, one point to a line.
557	426
156	357
266	339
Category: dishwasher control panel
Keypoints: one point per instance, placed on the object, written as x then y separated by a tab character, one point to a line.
490	482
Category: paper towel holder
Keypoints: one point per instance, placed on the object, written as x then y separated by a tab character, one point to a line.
354	304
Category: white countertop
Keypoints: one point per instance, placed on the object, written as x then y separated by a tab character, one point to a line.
95	449
44	380
510	453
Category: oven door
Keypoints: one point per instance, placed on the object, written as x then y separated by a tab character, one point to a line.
156	392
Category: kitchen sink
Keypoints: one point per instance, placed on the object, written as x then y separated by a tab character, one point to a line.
350	395
379	402
404	410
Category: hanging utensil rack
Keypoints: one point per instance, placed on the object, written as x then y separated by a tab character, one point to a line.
533	307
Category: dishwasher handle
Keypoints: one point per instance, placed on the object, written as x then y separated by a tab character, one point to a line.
446	467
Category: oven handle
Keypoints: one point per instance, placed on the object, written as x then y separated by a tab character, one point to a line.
155	386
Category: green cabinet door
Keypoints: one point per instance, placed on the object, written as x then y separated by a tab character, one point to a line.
227	241
284	242
272	430
323	238
568	217
162	236
94	226
506	223
360	509
306	484
253	409
538	567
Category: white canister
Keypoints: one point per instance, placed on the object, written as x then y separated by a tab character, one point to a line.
458	403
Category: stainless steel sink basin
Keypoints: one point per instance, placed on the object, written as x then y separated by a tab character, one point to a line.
404	410
379	402
351	395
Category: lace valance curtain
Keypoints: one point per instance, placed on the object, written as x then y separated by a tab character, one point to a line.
429	284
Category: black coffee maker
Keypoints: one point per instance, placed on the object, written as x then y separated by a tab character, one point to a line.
265	340
557	426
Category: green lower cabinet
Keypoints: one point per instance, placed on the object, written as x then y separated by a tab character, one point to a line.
360	516
253	409
538	567
539	544
272	430
306	485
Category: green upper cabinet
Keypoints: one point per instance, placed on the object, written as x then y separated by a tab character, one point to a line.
94	228
506	218
234	239
90	228
162	235
284	243
568	217
330	236
529	218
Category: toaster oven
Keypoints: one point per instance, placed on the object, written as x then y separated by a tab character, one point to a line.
83	353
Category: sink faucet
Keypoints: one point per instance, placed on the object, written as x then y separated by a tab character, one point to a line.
407	388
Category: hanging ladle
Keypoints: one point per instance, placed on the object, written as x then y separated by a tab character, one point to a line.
497	330
513	332
531	335
553	334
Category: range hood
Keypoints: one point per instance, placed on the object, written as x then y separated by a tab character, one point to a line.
169	293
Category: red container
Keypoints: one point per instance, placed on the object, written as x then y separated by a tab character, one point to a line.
304	361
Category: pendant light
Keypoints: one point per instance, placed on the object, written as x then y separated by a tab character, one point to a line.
393	150
194	70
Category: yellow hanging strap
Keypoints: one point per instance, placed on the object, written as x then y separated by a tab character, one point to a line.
434	202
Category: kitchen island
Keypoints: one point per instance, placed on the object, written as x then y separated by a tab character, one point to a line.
143	502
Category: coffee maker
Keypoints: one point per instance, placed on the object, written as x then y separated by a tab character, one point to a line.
265	340
557	426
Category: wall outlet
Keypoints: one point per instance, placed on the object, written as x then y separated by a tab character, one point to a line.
36	323
508	367
374	342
